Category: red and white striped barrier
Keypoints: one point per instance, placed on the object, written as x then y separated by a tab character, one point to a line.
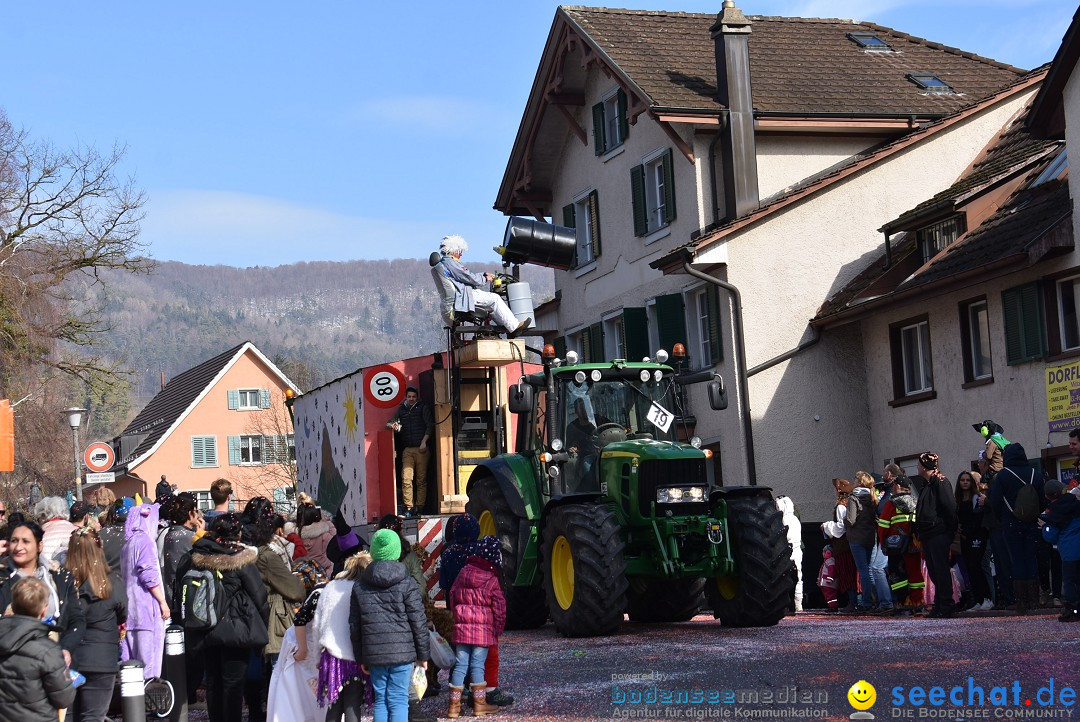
429	533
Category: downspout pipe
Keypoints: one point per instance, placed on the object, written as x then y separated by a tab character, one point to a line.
787	354
740	355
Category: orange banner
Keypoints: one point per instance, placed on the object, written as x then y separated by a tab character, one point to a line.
7	436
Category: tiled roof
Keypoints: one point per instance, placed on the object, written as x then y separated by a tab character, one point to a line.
822	181
1014	150
797	65
1026	216
158	416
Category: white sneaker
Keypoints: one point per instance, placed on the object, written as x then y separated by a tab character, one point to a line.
986	605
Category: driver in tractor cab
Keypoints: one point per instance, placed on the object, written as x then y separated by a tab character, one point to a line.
583	445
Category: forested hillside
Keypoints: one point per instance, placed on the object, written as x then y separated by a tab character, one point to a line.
317	320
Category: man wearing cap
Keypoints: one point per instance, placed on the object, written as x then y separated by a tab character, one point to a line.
935	525
79	514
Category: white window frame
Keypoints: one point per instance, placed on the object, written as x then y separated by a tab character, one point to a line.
613	335
612	122
584	229
654	332
700	308
242	393
923	357
653	165
203	501
976	331
247	446
1059	288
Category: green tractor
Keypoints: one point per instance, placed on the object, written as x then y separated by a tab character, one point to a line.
603	512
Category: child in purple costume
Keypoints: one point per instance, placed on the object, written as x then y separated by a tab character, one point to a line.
148	612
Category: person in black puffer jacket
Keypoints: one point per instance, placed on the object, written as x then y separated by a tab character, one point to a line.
228	646
106	608
34	682
388	626
1020	537
935	525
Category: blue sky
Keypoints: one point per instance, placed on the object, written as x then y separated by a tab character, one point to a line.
266	134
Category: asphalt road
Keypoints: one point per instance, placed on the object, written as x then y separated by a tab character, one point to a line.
800	669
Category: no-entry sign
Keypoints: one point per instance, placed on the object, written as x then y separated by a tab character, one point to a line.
98	457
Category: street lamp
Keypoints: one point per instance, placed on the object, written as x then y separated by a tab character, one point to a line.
74	417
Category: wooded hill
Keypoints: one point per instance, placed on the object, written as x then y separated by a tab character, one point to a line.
317	320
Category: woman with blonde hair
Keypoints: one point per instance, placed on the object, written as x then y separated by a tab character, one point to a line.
862	536
97	655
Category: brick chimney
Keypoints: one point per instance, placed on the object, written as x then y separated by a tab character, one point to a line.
738	156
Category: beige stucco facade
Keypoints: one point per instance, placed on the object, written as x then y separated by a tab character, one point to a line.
211	416
811	419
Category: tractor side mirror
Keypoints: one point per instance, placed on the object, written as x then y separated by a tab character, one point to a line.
717	394
520	399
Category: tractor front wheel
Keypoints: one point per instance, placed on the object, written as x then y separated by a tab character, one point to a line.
584	571
761	590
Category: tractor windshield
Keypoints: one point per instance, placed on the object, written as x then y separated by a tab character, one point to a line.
596	413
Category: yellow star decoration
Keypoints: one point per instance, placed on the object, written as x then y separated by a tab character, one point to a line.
350	416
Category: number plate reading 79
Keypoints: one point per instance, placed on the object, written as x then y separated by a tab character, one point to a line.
660	417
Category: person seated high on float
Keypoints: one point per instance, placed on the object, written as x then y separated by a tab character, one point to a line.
467	289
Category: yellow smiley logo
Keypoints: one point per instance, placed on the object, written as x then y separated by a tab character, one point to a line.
862	695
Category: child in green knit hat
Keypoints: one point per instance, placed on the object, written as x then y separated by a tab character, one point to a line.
388	626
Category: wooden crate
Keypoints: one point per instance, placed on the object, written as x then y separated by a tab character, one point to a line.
491	352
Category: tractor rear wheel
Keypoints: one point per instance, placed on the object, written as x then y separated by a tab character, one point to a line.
525	606
761	590
584	571
665	600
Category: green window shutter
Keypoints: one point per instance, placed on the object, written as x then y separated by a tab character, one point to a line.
234	400
560	347
594	222
669	187
596	343
716	347
210	444
598	128
636	333
624	120
569	217
637	197
264	398
670	320
1025	330
198	452
234	450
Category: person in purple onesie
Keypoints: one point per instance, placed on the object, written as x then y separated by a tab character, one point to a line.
148	611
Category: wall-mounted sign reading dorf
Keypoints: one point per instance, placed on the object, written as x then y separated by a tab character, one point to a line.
1063	396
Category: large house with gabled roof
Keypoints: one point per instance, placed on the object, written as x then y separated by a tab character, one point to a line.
224	418
763	152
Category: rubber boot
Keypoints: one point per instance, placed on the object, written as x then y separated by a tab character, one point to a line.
455	702
415	715
1020	597
480	705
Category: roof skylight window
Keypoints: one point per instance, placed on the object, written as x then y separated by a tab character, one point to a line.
1052	171
930	83
869	41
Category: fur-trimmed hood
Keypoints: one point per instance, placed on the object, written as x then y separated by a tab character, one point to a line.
316	530
209	554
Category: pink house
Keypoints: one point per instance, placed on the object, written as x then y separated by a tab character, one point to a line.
226	418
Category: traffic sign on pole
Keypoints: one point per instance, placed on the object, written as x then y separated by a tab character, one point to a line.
99	457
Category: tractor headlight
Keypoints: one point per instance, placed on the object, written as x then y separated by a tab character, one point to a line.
571	358
556	445
679	494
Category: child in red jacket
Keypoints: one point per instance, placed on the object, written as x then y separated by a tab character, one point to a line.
479	617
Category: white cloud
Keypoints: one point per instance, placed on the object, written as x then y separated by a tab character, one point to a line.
444	115
240	229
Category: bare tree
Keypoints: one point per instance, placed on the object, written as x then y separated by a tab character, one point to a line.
278	468
64	217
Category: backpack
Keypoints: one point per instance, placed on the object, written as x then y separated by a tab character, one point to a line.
202	599
1026	507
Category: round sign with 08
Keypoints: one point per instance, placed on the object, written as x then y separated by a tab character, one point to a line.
384	386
